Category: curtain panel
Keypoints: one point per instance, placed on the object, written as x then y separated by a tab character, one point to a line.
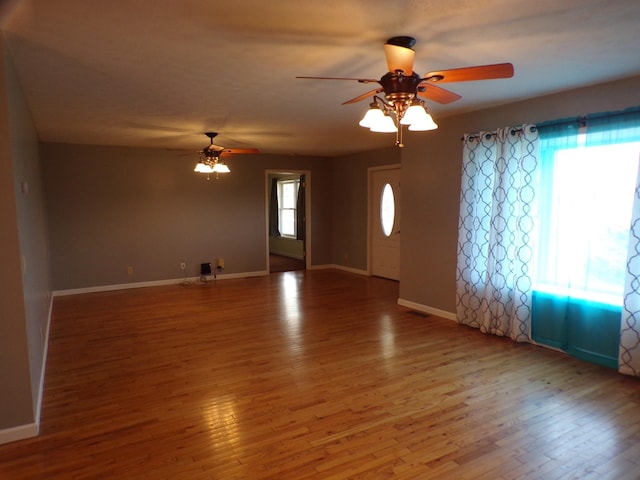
629	361
620	127
579	305
510	278
273	209
493	278
301	226
624	126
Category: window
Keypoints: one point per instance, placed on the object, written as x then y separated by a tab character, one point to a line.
287	201
585	205
387	210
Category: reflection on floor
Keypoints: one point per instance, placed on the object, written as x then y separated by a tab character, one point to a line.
280	263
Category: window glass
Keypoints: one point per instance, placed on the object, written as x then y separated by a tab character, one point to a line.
287	202
387	210
585	212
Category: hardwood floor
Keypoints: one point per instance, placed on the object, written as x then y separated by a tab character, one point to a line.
312	375
280	263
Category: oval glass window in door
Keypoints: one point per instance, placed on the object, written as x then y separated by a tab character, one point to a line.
387	210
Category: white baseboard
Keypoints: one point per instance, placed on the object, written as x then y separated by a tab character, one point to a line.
425	309
20	432
43	369
190	280
155	283
30	430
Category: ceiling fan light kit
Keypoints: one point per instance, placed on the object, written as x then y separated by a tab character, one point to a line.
210	157
401	87
203	167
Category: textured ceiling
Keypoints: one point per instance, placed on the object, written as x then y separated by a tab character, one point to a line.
159	73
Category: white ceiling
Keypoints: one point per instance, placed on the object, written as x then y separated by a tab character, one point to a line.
159	73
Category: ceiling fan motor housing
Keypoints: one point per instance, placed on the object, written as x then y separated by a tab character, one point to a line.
400	87
211	153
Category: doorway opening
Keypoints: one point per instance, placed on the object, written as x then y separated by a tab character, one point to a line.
288	220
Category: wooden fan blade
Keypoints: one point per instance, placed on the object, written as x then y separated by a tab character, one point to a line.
482	72
437	94
361	80
370	93
399	58
235	151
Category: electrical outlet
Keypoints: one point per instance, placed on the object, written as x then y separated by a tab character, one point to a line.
220	264
129	270
183	265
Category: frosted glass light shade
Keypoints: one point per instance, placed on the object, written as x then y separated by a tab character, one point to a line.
220	168
372	117
202	167
385	125
414	114
426	123
399	58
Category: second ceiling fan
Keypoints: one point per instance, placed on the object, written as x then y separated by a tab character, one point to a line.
211	159
402	88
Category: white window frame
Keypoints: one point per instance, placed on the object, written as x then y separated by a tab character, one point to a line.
289	209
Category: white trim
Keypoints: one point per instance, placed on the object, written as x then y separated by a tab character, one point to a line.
43	369
180	281
430	310
20	432
174	281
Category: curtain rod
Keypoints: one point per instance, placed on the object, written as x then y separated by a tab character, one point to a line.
475	136
579	121
583	120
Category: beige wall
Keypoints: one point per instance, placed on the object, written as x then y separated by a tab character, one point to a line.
350	203
431	164
24	276
112	207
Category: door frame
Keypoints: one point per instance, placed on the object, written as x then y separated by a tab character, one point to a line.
370	170
307	213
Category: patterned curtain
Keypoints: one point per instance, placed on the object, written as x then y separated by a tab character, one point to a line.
493	282
629	361
610	128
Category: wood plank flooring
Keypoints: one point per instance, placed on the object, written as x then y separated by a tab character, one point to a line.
312	375
280	263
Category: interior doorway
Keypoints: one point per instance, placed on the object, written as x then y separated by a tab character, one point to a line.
384	221
288	206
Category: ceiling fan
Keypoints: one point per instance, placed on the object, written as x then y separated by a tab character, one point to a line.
402	88
211	157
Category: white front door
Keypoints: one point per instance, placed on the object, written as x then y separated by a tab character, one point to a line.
384	222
